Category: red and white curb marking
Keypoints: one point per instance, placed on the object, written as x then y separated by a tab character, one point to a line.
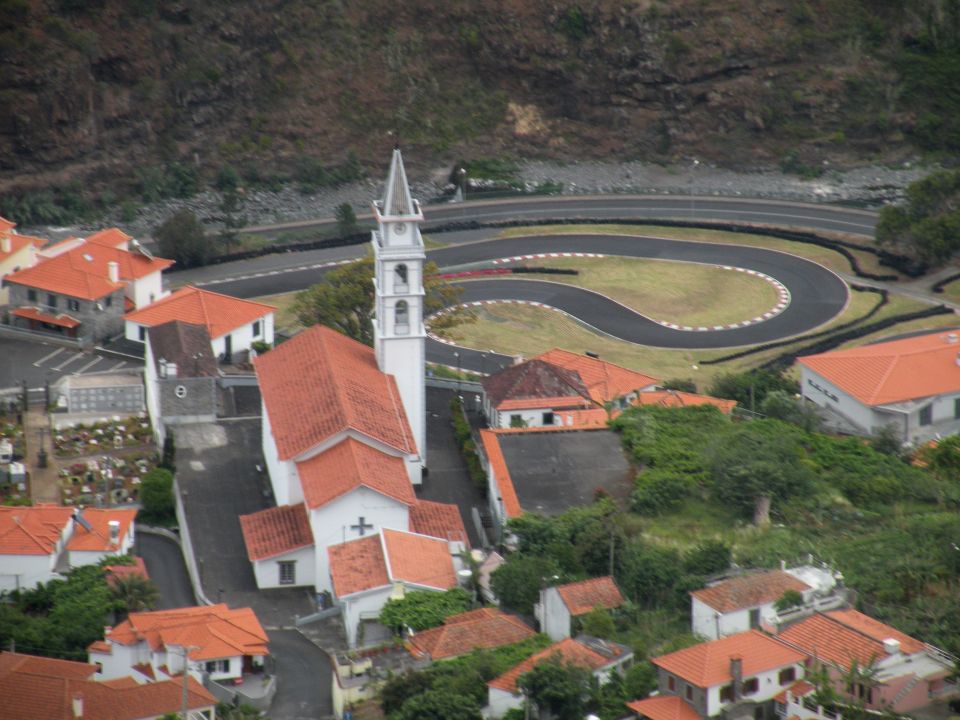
538	256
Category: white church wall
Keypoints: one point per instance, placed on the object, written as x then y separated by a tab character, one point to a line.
267	571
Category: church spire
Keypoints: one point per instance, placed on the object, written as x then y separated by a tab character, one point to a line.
397	200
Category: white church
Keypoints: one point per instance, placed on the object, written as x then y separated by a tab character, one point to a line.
344	438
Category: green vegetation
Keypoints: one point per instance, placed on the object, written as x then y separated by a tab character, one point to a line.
468	449
928	224
156	496
181	237
423	610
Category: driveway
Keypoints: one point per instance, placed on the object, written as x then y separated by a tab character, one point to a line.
164	561
304	675
37	361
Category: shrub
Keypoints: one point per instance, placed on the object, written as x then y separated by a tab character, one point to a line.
659	490
423	610
156	496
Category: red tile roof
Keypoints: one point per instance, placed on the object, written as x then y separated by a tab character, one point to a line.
440	520
111	237
6	224
485	628
677	398
83	271
35	314
508	494
351	464
799	689
582	597
215	631
748	591
320	383
844	636
664	707
276	531
568	651
532	383
32	530
43	689
220	314
419	560
97	539
605	380
357	565
708	664
17	242
894	371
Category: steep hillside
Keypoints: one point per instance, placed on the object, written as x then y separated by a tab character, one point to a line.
145	95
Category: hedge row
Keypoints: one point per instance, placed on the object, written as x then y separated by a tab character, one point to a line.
544	271
938	287
787	359
884	299
464	438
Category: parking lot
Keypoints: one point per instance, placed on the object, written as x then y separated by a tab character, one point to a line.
39	361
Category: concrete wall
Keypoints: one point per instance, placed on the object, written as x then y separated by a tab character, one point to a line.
267	571
554	615
705	620
146	290
25	571
198	404
363	606
283	474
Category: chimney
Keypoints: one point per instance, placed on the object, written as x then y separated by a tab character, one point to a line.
736	676
78	705
5	243
113	271
114	526
951	337
891	646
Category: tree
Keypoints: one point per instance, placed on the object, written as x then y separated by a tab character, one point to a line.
557	689
231	205
169	455
422	610
518	581
789	599
750	388
599	623
344	300
181	237
887	440
708	557
944	459
156	495
928	223
650	574
781	405
346	219
439	705
681	384
134	592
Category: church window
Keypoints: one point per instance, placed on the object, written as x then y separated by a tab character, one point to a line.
402	318
400	283
288	572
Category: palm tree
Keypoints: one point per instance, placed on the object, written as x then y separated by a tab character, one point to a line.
134	593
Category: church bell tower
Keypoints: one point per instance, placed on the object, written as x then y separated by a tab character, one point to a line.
398	331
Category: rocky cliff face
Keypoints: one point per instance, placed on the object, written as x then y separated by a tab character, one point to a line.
100	90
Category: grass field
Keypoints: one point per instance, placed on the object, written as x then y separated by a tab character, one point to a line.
284	320
679	292
951	292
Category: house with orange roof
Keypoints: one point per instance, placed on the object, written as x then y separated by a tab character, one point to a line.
462	633
16	253
40	688
738	675
561	605
82	290
233	324
601	657
736	604
909	673
556	388
368	571
99	533
911	384
220	643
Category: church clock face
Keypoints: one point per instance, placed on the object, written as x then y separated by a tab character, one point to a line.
399	228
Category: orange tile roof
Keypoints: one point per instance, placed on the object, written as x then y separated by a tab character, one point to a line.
18	242
97	539
357	565
320	383
533	383
60	319
605	380
844	636
440	520
749	591
220	314
485	628
799	689
215	631
567	651
32	530
508	494
6	224
419	560
582	597
708	664
111	237
351	464
895	371
83	272
276	531
664	707
100	646
678	398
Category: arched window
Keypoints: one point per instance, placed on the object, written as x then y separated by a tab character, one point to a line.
401	318
400	278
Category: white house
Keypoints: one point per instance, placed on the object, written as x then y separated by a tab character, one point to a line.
279	543
98	533
911	384
234	324
733	673
600	657
735	605
221	642
368	571
560	605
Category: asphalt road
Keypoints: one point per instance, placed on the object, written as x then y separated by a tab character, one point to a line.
166	568
304	675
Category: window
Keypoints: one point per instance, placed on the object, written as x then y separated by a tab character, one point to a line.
108	301
51	300
73	304
256	328
926	415
956	409
671	683
755	617
32	295
787	675
218	666
142	331
726	693
689	692
750	686
402	318
99	667
288	572
400	283
548	418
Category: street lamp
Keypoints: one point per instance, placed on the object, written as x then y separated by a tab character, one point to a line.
690	187
462	172
457	356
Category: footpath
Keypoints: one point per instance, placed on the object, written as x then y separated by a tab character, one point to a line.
37	434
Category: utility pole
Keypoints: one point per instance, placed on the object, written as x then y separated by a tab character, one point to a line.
185	710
